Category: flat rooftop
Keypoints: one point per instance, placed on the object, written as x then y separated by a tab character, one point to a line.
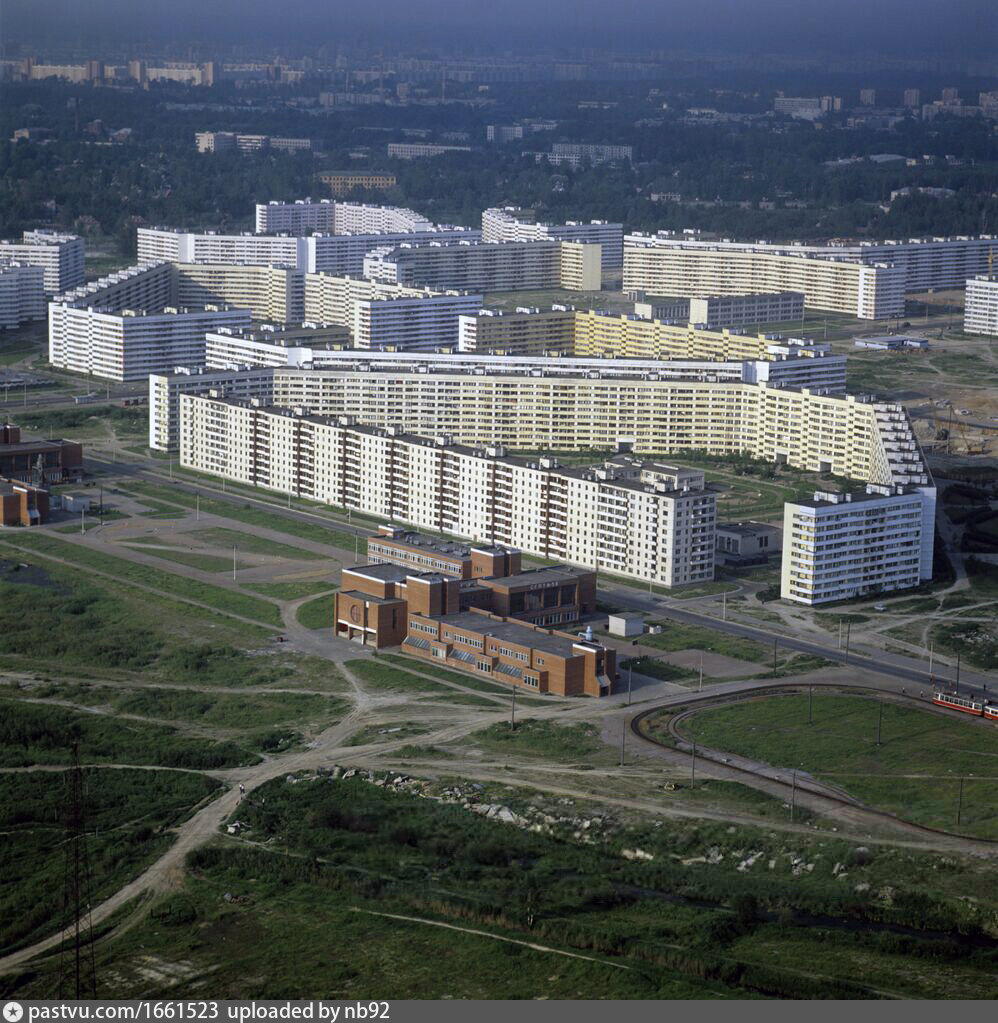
519	634
540	576
747	528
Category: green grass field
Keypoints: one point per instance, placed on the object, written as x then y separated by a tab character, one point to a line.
128	814
253	516
914	773
249	543
539	738
226	601
676	636
390	678
327	868
317	613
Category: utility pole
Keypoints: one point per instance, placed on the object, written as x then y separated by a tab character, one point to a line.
848	627
630	672
356	546
724	605
77	930
197	507
83	520
101	506
775	644
701	672
930	657
840	633
623	739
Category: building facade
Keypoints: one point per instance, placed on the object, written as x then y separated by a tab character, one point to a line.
343	182
60	256
828	279
868	279
980	310
627	517
488	266
314	253
22	294
512	224
130	344
841	546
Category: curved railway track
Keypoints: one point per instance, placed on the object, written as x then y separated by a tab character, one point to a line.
771	774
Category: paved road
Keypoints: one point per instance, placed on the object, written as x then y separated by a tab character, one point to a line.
903	669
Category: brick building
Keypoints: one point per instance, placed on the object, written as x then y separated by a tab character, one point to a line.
22	504
57	460
513	652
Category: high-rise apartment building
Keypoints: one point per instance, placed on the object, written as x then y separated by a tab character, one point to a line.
60	256
628	517
980	310
868	280
511	224
488	266
22	293
840	546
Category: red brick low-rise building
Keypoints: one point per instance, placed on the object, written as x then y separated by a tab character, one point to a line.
513	652
38	461
22	504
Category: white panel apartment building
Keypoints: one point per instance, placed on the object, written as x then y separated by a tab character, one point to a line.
22	293
332	253
511	224
828	278
840	546
60	255
682	266
527	403
305	216
488	266
643	520
568	406
382	315
131	344
980	310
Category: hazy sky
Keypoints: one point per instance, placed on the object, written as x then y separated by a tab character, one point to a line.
922	27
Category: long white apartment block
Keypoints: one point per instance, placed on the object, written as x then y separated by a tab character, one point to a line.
22	293
488	266
568	405
731	311
840	546
628	517
512	224
384	315
563	330
980	309
828	278
890	269
130	344
60	255
305	216
313	253
270	293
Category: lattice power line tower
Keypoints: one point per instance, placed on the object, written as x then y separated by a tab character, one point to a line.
77	967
